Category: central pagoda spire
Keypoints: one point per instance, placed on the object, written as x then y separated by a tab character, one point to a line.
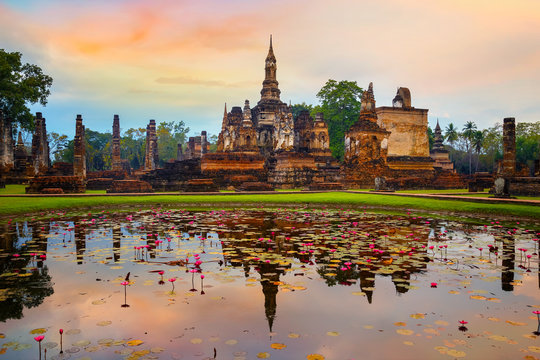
270	90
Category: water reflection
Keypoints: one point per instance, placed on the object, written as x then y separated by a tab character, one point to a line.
273	251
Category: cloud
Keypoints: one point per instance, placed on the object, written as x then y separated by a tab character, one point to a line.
187	80
476	61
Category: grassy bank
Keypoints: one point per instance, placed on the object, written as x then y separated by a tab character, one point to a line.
20	205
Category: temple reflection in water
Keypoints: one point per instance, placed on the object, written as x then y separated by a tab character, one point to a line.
344	249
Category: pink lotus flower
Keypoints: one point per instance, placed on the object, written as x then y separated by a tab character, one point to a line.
124	283
433	284
463	322
39	338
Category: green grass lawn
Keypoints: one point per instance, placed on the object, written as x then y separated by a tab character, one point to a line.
13	189
444	191
17	206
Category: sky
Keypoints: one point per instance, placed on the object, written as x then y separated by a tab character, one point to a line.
171	60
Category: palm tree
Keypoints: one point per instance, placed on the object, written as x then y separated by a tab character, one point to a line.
451	134
477	143
468	133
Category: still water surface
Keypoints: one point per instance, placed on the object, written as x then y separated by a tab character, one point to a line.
273	284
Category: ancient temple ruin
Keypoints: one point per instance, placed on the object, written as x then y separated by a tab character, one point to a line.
79	149
438	153
511	182
366	146
151	157
6	144
408	143
266	144
40	146
116	159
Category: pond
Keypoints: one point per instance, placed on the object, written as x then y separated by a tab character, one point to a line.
267	283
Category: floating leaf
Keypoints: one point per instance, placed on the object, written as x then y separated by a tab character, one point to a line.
156	350
497	300
515	323
263	355
81	343
405	331
408	343
417	316
494	319
294	336
477	297
195	341
73	332
134	342
315	357
400	323
38	331
104	323
278	346
231	342
441	322
98	302
455	353
332	333
535	349
498	338
441	349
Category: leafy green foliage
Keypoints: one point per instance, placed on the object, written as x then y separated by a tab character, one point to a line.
21	84
298	108
340	105
170	134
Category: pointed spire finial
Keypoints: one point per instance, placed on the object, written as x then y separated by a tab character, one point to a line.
270	41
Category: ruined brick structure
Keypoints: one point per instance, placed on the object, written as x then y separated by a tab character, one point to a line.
439	154
194	147
79	149
6	144
512	182
267	144
179	153
116	159
509	147
408	144
40	146
366	146
151	157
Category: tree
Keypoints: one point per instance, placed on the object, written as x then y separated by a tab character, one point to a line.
431	137
132	146
98	150
21	84
469	130
169	135
451	134
340	105
57	144
298	108
477	144
527	143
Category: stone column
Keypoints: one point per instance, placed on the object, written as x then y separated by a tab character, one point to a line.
204	143
509	147
151	158
40	146
6	144
116	160
79	149
179	153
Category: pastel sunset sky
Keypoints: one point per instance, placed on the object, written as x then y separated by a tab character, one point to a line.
464	60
